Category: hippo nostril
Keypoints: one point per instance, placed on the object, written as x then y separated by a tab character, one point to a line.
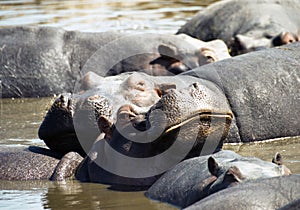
195	85
210	59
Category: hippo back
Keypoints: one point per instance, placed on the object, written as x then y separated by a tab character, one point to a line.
271	193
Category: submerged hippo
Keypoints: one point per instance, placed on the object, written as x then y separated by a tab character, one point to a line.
247	25
42	61
269	193
196	178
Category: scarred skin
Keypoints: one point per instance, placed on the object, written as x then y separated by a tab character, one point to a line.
43	61
247	25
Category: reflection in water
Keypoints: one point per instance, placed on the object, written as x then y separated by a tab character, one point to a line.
74	195
93	15
20	120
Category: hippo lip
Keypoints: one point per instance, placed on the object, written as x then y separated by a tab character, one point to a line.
197	116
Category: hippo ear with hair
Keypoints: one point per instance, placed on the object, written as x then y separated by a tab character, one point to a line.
213	166
233	174
277	159
167	50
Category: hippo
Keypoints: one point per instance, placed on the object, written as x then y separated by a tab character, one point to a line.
102	108
43	61
265	193
234	100
247	25
199	177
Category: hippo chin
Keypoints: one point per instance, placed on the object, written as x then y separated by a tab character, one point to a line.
247	25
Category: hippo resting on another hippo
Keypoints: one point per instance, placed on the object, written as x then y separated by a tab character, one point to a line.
258	92
45	61
247	25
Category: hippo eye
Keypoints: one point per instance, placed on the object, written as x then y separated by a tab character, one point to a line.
196	85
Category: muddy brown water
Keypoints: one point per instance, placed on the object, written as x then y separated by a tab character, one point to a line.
20	118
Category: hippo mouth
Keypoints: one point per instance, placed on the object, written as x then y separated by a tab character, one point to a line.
206	115
195	130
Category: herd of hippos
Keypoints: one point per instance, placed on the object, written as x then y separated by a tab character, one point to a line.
231	74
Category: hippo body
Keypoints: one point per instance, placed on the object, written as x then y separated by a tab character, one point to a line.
22	163
36	163
191	180
270	193
43	61
247	25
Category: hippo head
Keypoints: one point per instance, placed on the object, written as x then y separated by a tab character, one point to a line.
139	116
241	43
232	172
176	127
196	53
185	118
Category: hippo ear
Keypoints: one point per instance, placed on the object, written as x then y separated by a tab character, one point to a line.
213	166
208	54
164	88
233	174
277	159
167	50
105	126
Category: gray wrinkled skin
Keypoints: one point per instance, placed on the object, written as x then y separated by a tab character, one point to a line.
269	194
191	180
253	23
